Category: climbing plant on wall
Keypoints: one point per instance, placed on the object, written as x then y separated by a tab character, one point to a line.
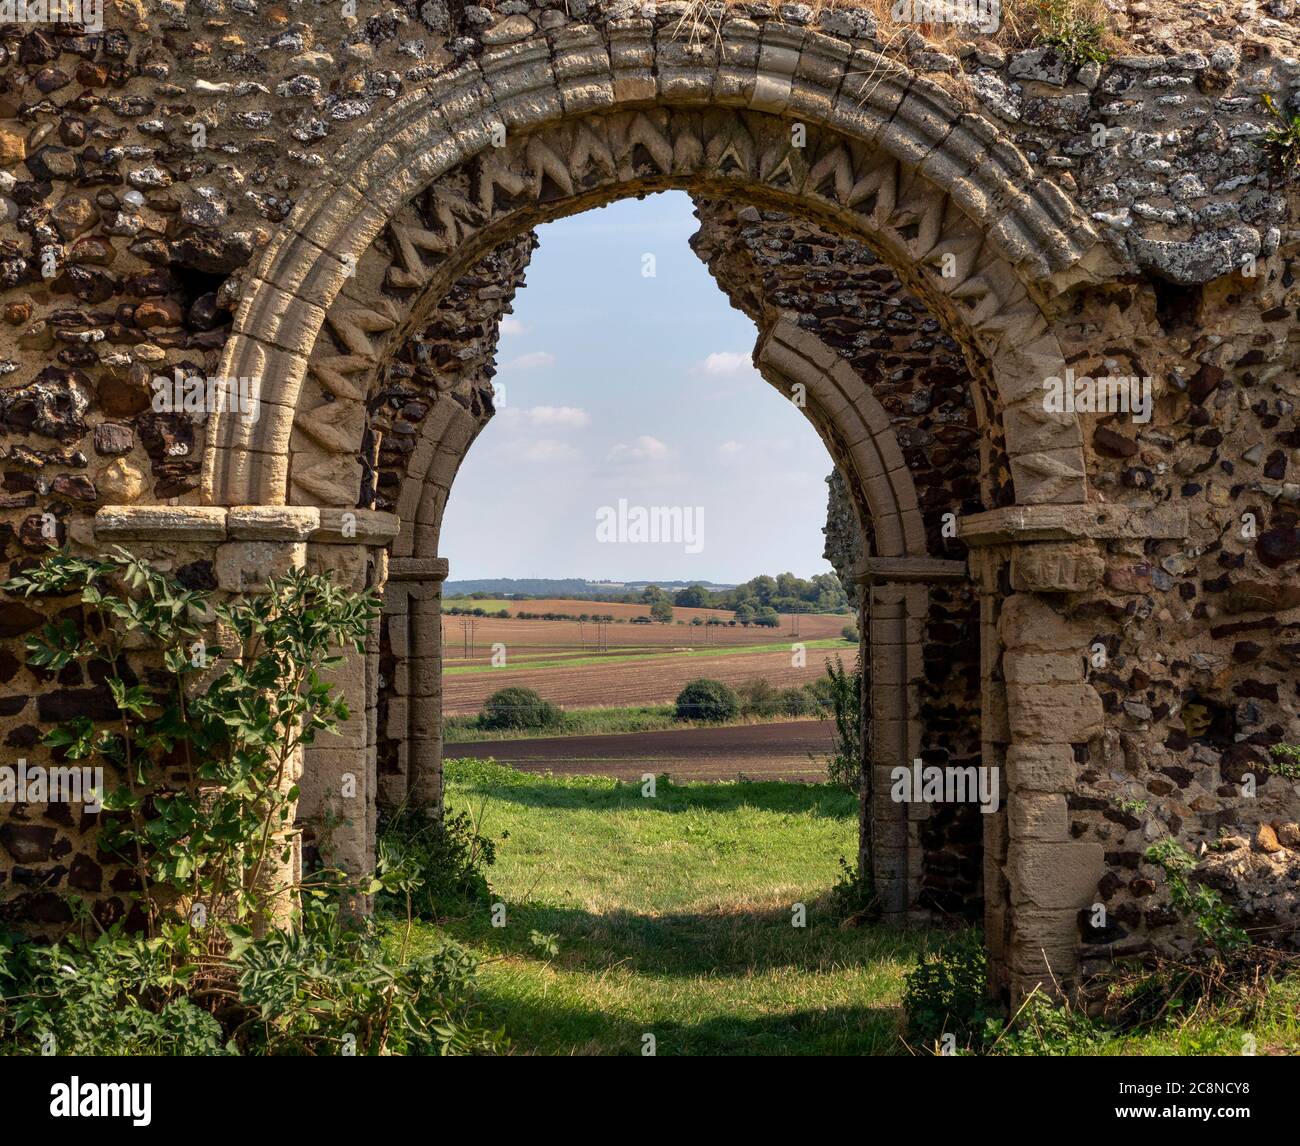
226	949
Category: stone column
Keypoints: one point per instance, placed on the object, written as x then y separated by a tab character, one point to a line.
895	604
247	546
338	800
1033	559
414	717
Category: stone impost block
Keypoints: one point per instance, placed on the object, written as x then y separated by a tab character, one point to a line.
1068	522
161	523
356	527
925	570
417	569
272	522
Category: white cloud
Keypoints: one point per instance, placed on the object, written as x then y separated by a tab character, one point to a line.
566	417
730	449
724	364
644	448
548	450
531	361
545	417
511	327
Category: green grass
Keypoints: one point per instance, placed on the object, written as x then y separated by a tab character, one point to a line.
709	651
595	722
671	916
654	936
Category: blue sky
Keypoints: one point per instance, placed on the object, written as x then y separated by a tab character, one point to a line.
619	385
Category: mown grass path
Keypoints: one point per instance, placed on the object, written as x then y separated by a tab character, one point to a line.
625	918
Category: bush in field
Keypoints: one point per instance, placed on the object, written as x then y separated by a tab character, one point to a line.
518	708
705	699
850	633
758	698
796	702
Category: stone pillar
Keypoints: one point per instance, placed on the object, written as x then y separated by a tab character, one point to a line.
1030	560
414	718
338	800
895	604
989	570
247	546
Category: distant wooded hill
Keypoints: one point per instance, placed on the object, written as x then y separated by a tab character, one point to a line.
784	593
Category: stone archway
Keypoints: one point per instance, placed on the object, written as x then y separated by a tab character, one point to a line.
782	117
885	156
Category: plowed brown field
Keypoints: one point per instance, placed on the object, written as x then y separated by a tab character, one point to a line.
610	683
793	750
579	638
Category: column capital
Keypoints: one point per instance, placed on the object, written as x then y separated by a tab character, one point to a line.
417	569
181	523
1095	520
922	570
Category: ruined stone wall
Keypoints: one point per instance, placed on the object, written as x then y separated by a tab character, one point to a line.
146	168
770	264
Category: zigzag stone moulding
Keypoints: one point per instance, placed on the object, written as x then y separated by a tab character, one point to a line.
421	194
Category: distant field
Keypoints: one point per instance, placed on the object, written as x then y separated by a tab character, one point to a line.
567	605
628	680
579	638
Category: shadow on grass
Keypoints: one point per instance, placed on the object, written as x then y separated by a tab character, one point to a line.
556	1027
593	793
732	944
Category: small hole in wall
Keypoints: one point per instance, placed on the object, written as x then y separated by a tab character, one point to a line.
1177	307
1208	721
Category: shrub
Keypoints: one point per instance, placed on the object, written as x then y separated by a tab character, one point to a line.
1282	140
758	697
1043	1027
435	864
796	702
844	766
1205	906
850	633
945	993
852	898
705	699
1075	28
517	707
200	815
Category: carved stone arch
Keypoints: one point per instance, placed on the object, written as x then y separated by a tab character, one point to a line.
419	195
604	114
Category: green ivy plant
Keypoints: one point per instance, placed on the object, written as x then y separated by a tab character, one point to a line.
1282	139
1205	906
202	747
200	809
1285	762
